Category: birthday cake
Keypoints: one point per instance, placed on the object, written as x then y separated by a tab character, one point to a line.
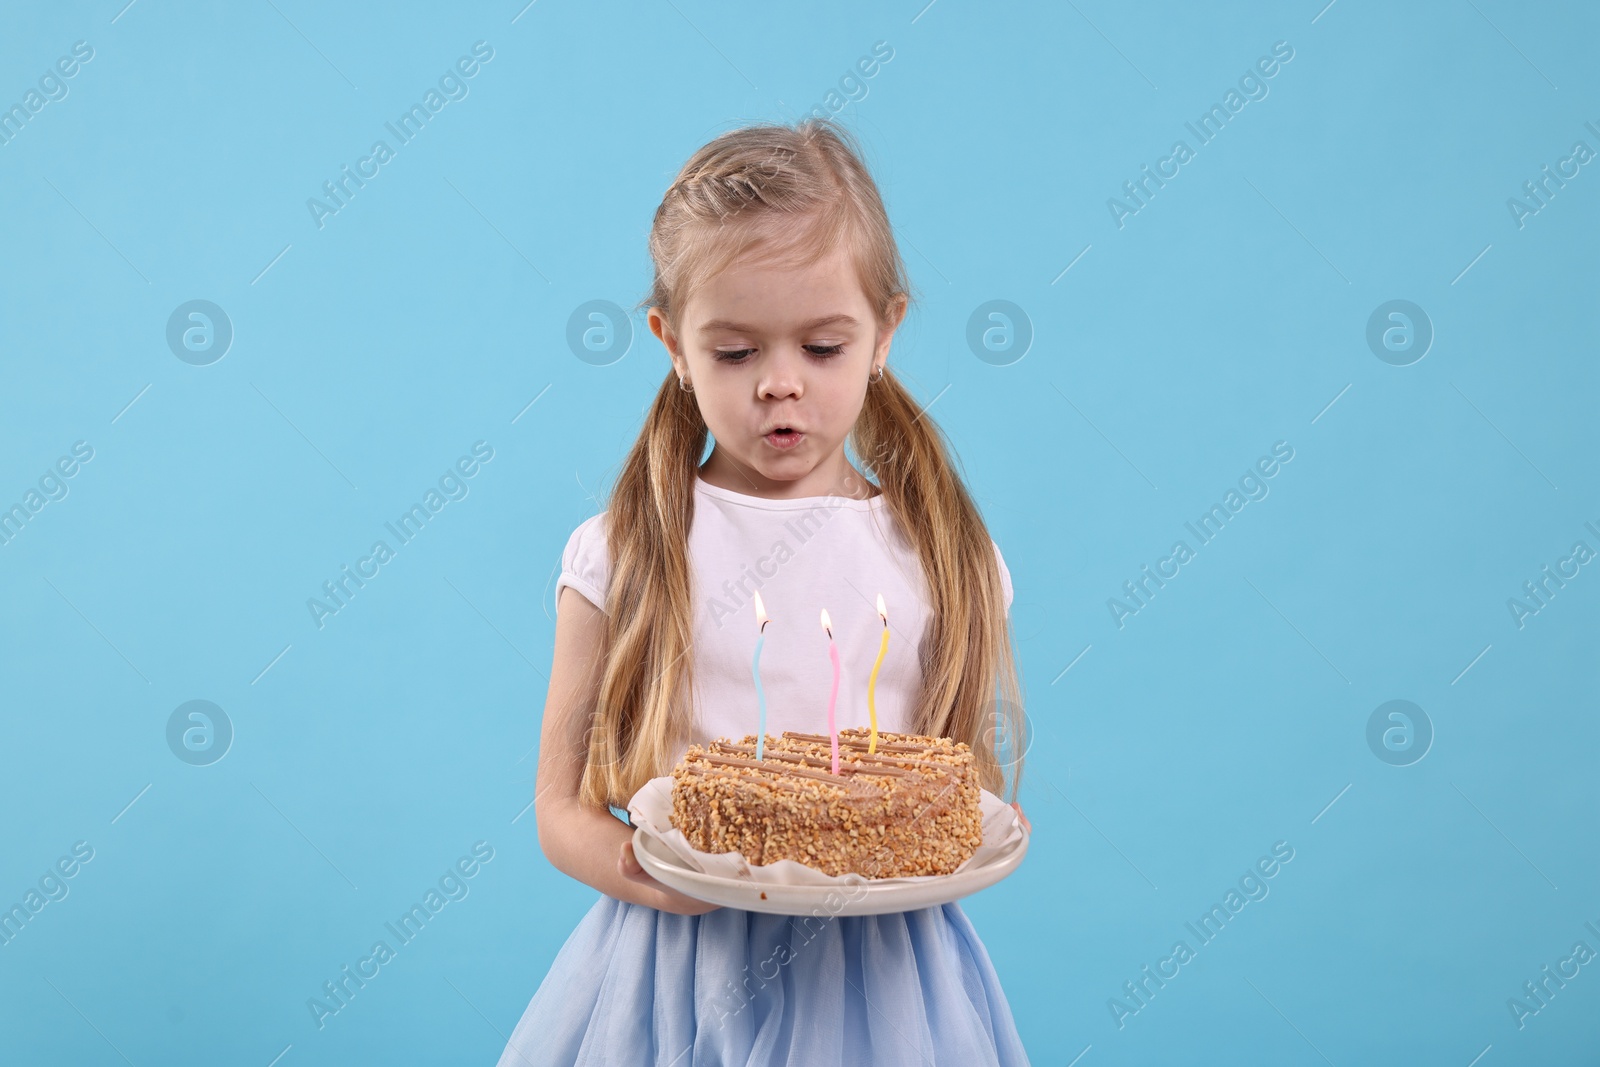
911	807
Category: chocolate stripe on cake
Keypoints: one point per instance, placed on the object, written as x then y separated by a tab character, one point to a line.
706	773
859	752
814	761
897	746
802	772
787	781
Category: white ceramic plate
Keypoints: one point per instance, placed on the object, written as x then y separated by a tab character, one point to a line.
863	897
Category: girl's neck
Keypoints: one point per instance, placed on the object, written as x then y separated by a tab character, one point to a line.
840	479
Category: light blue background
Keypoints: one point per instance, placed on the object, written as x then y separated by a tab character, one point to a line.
1228	314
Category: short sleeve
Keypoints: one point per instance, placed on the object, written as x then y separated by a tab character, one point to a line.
1005	575
584	562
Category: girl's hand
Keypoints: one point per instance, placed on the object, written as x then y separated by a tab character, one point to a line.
1026	825
670	899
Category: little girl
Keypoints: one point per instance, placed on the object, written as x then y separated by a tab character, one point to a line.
777	290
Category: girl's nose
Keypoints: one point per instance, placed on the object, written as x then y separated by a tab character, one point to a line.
781	376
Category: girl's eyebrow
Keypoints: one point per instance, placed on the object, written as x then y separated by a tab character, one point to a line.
826	320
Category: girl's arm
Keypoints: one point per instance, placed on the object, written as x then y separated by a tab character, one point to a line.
590	844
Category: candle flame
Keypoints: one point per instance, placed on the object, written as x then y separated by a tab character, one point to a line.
827	623
761	612
883	612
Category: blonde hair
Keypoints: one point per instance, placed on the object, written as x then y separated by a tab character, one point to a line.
800	189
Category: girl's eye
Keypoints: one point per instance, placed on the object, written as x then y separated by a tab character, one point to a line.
738	355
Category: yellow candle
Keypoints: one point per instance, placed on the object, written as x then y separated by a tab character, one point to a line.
872	683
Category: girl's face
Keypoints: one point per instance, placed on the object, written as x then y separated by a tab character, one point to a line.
770	348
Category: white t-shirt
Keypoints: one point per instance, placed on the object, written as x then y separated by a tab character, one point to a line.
803	555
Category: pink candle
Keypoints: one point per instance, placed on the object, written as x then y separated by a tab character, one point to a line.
755	671
833	654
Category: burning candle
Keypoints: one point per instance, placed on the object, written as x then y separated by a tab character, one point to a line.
833	654
872	683
755	671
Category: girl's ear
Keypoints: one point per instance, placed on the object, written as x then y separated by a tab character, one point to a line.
897	311
658	326
663	332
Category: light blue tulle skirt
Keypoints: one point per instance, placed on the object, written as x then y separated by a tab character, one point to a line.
731	988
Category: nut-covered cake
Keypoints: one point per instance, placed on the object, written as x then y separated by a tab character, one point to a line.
908	808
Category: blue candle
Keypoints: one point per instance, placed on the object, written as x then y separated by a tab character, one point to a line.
755	671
